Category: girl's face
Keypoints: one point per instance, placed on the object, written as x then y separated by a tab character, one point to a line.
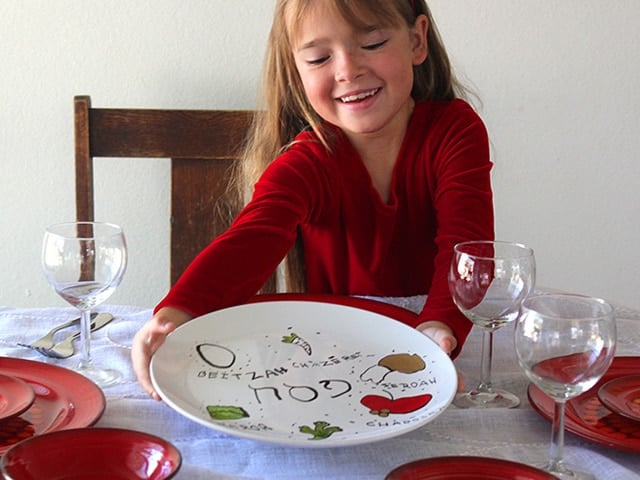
358	79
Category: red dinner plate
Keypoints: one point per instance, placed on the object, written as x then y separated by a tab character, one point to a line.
64	399
588	418
16	396
463	468
401	314
92	453
622	395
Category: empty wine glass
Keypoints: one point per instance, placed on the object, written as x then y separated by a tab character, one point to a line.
84	262
488	281
564	344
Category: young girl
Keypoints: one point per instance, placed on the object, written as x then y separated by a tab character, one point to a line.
364	158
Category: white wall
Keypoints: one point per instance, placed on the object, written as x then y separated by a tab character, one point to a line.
558	82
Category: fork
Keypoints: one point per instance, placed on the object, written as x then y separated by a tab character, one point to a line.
47	340
64	349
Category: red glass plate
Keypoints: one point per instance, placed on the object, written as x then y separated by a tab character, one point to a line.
622	395
64	399
588	418
96	453
401	314
463	468
16	396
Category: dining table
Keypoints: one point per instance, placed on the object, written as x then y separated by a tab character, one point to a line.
518	434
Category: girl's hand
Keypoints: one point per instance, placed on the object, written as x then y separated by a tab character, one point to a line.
440	333
149	338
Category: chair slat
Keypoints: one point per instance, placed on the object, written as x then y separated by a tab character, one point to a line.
202	145
167	133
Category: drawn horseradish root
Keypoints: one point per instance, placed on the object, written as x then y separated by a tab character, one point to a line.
294	339
397	362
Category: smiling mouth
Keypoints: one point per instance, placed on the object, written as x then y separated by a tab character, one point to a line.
359	97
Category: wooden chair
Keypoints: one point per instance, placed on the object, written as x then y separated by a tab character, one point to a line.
202	146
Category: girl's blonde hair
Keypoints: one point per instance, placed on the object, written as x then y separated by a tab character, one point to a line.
286	111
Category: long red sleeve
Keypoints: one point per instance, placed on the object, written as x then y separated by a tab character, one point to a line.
354	243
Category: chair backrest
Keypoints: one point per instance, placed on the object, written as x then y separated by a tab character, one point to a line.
202	146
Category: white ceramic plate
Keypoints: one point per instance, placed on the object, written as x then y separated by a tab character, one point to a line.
303	373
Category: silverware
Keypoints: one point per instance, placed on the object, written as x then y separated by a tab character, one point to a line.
48	339
64	349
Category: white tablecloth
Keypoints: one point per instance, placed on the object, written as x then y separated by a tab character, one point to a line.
518	434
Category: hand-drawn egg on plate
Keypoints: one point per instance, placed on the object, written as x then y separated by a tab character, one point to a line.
216	355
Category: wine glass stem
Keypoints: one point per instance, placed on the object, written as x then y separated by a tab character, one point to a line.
486	361
85	339
557	436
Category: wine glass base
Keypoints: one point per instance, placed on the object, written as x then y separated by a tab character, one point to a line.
567	472
99	376
492	399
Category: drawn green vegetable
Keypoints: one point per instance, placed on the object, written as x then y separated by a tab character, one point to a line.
226	412
321	430
294	339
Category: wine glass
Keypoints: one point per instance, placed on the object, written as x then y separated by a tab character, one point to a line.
84	262
564	344
488	281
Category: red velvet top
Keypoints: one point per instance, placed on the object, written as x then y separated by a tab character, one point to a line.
354	243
